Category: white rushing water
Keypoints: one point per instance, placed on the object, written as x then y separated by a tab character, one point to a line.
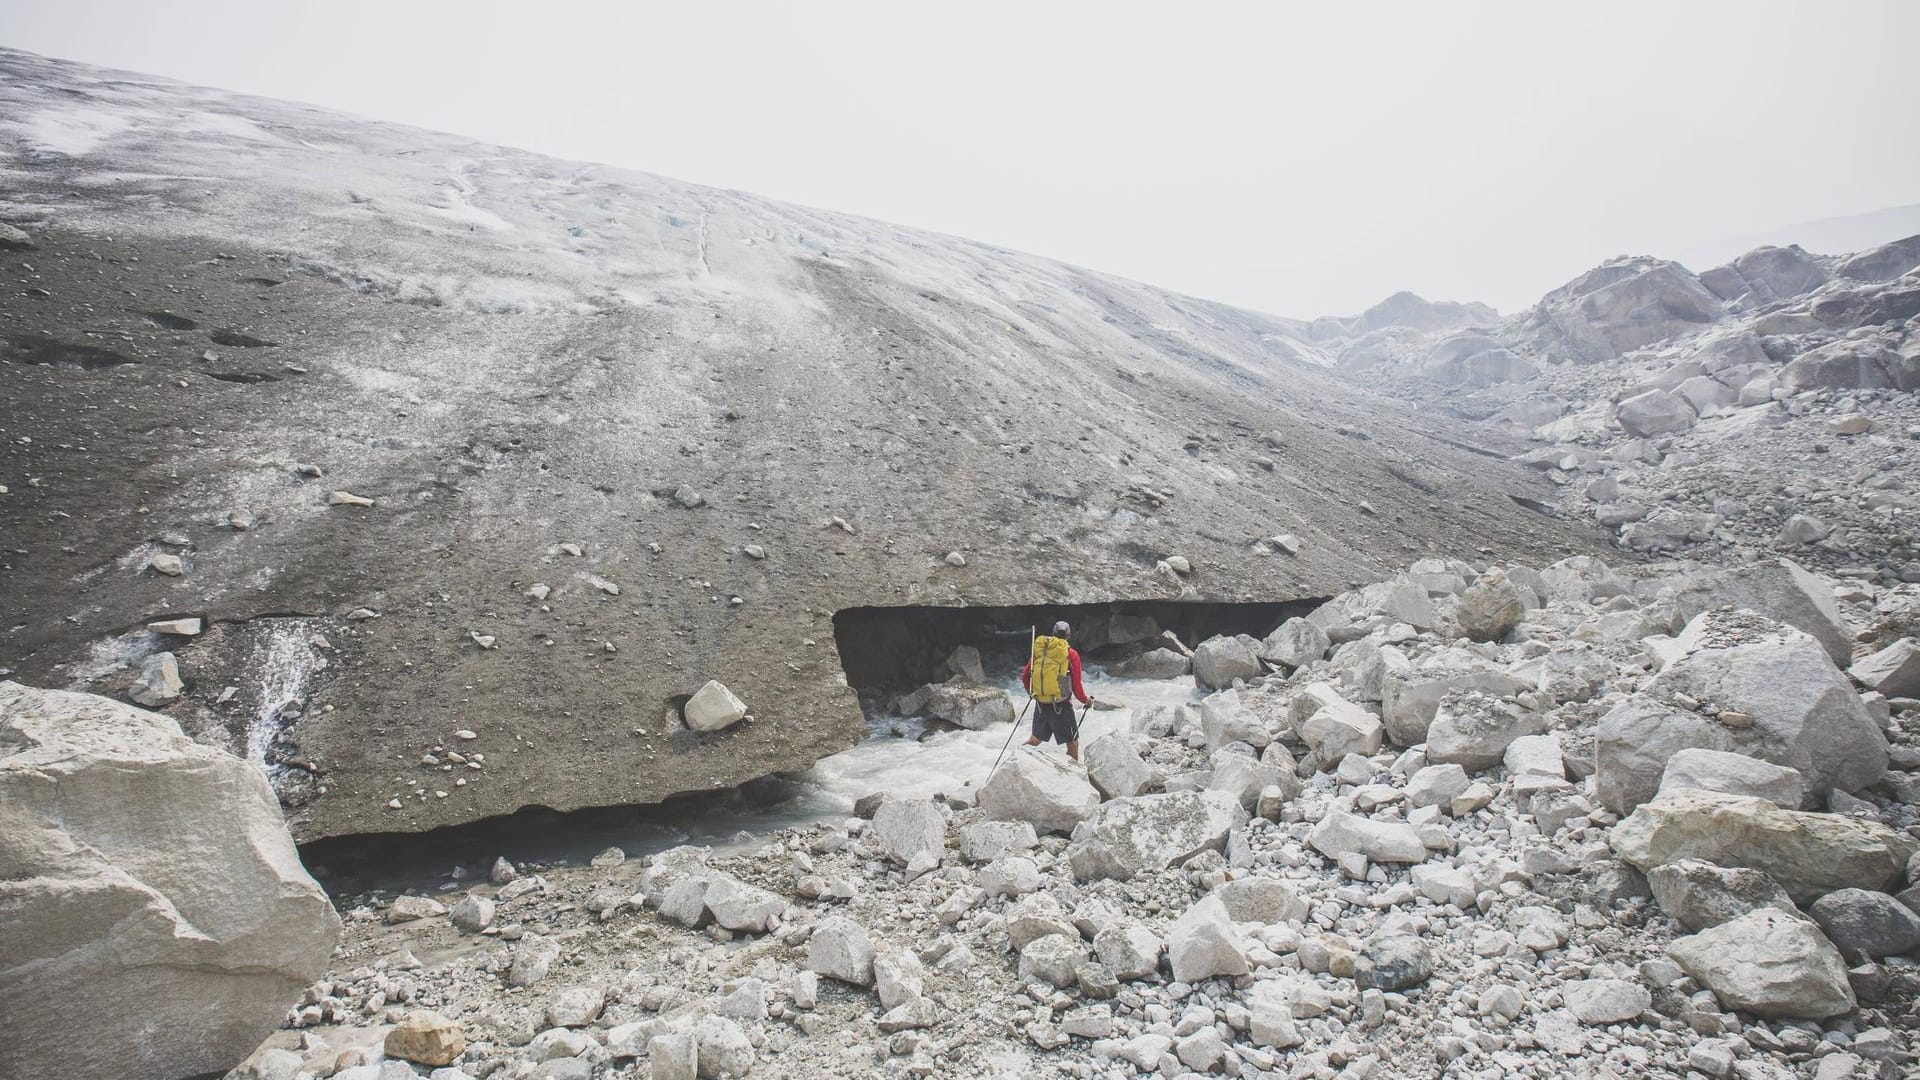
903	758
286	661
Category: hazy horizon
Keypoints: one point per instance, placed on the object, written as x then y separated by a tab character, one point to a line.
1297	162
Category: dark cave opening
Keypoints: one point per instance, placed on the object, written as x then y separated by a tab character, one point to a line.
886	650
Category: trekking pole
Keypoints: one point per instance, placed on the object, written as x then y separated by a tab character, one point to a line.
1032	632
1009	743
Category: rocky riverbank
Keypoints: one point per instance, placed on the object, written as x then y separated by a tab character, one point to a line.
1431	832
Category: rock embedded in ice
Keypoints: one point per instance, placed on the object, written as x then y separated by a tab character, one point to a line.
159	681
713	708
1771	963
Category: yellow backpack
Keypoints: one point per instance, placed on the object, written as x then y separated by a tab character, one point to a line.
1051	678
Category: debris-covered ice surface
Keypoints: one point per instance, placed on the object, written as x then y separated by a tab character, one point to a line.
1473	821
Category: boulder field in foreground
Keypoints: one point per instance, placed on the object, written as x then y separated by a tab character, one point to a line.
155	920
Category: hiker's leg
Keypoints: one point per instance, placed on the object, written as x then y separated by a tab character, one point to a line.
1031	742
1073	750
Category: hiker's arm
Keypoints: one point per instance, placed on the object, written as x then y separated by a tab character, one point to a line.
1026	672
1073	661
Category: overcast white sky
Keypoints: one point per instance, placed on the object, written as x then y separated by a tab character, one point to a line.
1300	159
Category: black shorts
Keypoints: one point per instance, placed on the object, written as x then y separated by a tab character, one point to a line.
1054	721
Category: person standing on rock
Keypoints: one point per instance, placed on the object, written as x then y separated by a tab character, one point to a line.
1052	676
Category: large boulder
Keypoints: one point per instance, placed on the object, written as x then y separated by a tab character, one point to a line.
1223	720
1768	962
1847	364
1621	305
1894	670
1411	696
1353	615
1799	710
1040	789
1155	664
1764	275
1220	660
1295	644
1490	608
1863	920
910	827
1205	942
1655	412
1152	832
1473	730
975	708
155	919
1808	854
1340	833
1734	774
1697	894
1116	768
1779	589
1883	263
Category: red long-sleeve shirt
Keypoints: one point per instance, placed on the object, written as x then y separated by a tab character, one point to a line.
1073	664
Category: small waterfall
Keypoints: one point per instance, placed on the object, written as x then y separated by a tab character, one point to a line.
286	661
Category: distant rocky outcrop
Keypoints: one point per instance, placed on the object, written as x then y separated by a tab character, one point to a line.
1618	306
154	916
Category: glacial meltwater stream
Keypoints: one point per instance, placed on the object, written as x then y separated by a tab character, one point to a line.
904	756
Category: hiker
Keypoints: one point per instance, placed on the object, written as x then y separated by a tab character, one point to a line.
1052	672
